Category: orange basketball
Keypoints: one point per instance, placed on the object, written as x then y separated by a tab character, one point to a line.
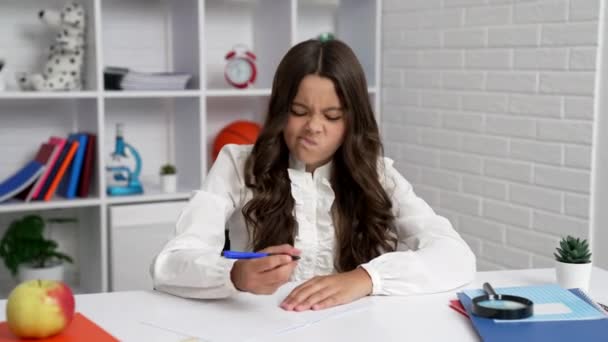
238	132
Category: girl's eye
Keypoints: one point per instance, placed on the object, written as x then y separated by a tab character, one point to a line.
298	113
333	118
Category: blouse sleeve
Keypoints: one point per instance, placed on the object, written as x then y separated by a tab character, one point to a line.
190	264
430	257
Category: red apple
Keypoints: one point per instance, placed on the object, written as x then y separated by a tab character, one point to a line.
39	308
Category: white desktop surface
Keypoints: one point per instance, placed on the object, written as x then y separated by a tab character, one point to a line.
413	318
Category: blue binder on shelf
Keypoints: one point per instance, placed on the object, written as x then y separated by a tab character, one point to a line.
20	180
69	183
589	330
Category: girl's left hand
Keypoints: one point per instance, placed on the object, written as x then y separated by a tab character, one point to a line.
326	291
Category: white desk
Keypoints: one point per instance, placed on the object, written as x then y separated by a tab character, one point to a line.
416	318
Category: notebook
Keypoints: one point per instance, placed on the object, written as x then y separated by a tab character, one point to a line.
80	329
551	303
589	330
20	180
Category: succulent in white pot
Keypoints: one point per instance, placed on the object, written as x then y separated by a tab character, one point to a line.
168	178
573	263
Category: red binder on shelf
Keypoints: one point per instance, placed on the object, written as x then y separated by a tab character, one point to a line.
44	156
80	329
59	143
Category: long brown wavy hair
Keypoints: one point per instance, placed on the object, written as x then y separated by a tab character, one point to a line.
362	209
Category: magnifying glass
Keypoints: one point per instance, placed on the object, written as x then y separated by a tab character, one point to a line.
493	305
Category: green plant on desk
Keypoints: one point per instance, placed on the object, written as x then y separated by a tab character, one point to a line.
573	263
573	251
24	243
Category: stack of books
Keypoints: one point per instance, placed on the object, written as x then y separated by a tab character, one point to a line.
61	166
118	78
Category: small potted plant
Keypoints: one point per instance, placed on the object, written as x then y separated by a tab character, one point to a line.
573	263
28	254
168	178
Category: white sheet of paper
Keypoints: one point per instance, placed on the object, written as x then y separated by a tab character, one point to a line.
245	317
551	309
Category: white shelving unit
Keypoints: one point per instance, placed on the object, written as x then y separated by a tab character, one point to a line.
164	126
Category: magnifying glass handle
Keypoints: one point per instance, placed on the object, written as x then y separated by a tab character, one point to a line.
489	289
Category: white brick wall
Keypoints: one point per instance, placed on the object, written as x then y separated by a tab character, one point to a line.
488	110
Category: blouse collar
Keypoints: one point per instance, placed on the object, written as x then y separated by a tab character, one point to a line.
321	172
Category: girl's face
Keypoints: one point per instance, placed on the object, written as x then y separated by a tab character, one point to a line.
315	127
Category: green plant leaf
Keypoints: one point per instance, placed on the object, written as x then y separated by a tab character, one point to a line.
573	250
168	169
24	243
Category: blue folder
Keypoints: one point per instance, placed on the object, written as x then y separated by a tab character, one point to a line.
594	330
20	180
69	183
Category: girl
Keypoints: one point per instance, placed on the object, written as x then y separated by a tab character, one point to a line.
314	185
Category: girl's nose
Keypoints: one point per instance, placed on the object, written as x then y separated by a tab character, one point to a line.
314	124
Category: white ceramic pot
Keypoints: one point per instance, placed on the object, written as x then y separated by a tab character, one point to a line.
27	272
168	183
573	275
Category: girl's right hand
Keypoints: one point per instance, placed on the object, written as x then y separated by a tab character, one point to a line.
265	275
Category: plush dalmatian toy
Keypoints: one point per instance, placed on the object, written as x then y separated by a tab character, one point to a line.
64	67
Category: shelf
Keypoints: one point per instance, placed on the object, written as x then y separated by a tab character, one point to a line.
151	195
152	36
263	26
19	206
237	92
17	95
150	94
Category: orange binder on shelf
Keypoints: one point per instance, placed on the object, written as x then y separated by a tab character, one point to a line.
80	329
61	171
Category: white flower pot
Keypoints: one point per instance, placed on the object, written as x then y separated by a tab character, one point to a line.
27	272
168	183
573	275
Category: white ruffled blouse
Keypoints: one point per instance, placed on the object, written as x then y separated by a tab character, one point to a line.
430	257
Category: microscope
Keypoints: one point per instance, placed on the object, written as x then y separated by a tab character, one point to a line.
127	180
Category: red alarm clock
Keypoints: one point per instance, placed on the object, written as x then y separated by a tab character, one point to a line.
240	70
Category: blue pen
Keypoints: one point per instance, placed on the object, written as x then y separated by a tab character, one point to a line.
252	255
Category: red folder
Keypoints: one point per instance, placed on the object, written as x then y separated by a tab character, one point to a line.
44	155
457	305
80	329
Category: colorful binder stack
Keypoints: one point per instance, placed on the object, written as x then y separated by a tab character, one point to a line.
61	166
